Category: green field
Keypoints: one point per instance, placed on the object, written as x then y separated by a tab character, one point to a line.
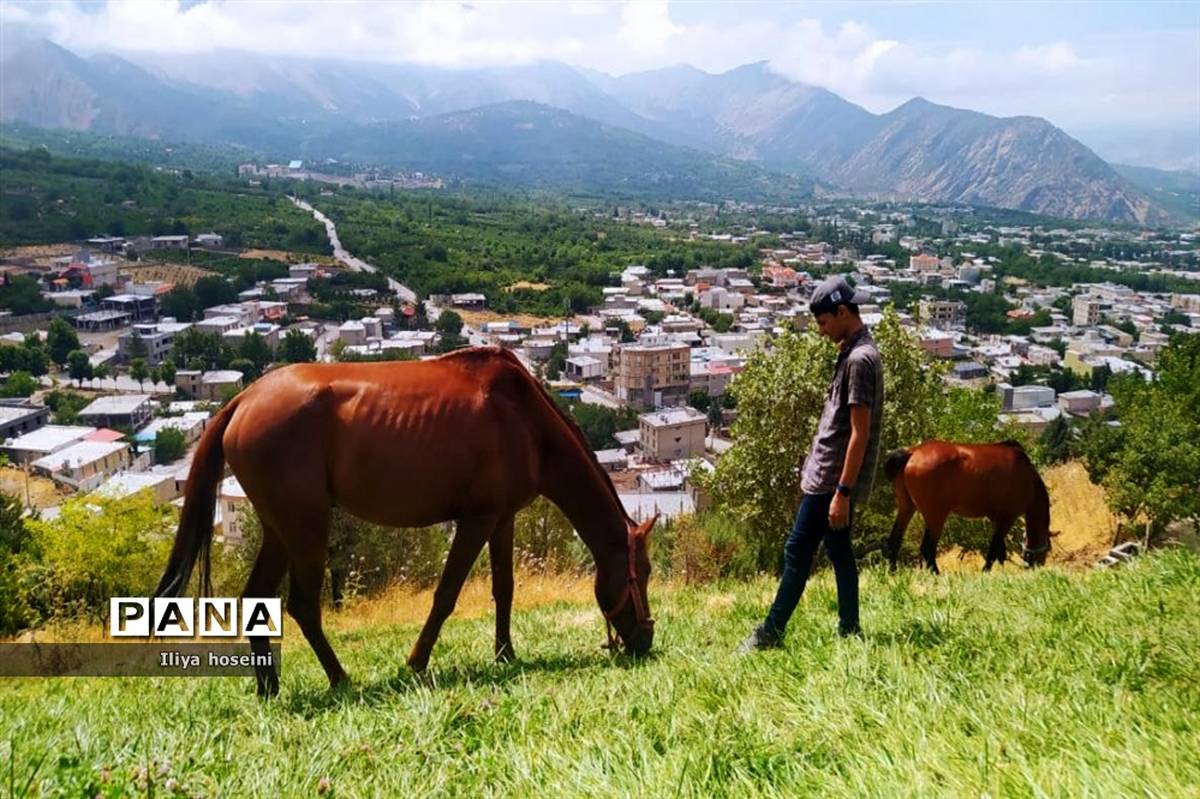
1011	684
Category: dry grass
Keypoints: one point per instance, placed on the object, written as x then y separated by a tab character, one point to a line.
403	605
177	274
40	253
525	284
1079	513
43	492
289	257
477	318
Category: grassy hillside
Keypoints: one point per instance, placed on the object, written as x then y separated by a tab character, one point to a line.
1012	684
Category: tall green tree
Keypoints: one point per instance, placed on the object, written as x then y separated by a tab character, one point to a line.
139	371
297	347
61	340
80	366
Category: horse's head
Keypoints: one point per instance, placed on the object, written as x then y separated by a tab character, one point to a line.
1036	545
625	596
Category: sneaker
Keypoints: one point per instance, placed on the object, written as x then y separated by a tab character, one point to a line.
760	639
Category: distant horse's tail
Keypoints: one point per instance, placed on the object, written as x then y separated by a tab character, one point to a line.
896	461
194	537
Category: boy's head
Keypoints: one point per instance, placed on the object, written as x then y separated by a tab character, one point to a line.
834	306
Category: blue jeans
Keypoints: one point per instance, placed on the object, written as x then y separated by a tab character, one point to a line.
809	529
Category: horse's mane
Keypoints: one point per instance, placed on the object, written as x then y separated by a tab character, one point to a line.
572	426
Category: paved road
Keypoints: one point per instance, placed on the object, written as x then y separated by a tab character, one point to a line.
339	252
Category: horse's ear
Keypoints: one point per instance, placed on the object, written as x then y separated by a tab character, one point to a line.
643	529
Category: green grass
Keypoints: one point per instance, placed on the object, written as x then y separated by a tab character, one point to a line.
1009	684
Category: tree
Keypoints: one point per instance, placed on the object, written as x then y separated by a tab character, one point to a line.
167	372
449	323
1055	443
80	366
700	400
61	341
557	360
101	371
247	367
254	348
180	302
169	445
19	384
137	347
1149	465
65	405
139	371
213	290
297	348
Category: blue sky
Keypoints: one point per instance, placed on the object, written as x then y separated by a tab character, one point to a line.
1123	76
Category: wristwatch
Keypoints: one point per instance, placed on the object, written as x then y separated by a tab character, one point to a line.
844	489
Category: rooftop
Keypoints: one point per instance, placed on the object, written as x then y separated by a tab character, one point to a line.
672	416
49	438
80	453
115	404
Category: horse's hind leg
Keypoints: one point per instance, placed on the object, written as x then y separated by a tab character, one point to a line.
933	532
500	552
997	551
904	513
269	567
304	593
469	538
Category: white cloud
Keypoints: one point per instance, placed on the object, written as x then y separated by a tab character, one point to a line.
1149	77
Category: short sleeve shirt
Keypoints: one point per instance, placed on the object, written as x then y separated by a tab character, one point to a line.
857	380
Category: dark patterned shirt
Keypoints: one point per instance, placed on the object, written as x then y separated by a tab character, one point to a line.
857	380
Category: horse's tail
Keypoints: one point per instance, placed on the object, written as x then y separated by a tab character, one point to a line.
896	460
194	537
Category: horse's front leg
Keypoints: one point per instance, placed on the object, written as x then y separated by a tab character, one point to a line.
500	552
469	537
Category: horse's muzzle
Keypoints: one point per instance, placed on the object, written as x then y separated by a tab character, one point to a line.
640	640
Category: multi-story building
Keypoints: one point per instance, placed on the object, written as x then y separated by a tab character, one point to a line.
156	338
652	375
672	435
942	313
1085	311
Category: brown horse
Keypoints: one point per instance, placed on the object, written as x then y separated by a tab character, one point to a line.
993	481
470	437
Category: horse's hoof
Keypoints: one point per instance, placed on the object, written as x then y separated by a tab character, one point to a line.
268	689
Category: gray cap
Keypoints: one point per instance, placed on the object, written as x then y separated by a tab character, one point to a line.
832	292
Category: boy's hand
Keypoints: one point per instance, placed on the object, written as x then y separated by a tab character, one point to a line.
839	512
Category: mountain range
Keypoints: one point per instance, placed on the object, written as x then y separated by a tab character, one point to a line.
748	132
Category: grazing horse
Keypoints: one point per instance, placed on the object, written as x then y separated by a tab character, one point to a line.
993	481
470	436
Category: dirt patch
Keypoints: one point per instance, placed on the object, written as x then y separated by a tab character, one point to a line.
289	257
525	284
43	492
39	253
1079	514
477	318
176	274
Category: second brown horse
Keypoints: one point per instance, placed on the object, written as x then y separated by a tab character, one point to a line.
993	481
470	437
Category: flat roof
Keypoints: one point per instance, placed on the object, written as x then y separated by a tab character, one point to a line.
11	413
127	483
115	404
49	438
672	416
82	452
